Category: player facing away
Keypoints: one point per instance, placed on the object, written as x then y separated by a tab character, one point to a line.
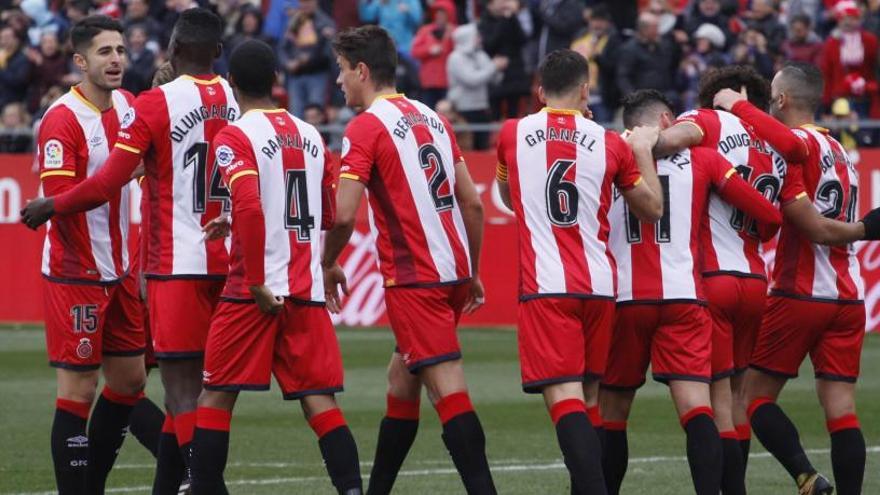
735	278
555	171
816	297
427	217
272	317
662	317
93	317
170	128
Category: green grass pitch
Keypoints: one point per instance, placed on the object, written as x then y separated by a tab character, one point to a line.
274	451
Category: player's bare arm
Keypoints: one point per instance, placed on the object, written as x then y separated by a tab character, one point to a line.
676	138
347	201
504	192
646	197
827	231
472	214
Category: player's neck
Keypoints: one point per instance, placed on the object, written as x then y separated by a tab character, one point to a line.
246	104
371	95
794	119
186	69
573	104
101	98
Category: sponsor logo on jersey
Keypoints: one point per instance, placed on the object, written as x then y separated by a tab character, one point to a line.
206	376
84	349
225	156
53	154
79	441
127	119
95	141
346	146
211	91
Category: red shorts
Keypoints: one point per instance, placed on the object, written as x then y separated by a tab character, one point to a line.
675	339
298	345
736	305
423	320
831	333
180	315
563	339
150	354
86	322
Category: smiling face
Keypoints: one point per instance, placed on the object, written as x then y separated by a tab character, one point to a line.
103	62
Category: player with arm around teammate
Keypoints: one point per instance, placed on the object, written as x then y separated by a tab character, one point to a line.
428	218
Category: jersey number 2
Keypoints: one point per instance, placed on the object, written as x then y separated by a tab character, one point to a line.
438	181
197	156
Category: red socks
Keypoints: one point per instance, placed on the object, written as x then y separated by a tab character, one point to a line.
566	407
614	425
79	409
184	424
760	401
693	413
453	405
595	416
744	431
327	421
850	421
401	409
209	418
127	400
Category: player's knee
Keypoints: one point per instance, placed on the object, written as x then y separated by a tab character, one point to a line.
443	379
217	399
615	404
313	405
77	386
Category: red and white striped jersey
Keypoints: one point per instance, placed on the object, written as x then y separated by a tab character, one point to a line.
405	154
294	169
74	141
659	262
171	127
560	167
728	246
812	271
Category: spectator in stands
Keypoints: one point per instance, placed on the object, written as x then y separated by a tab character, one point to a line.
470	71
15	129
648	61
503	35
15	68
137	12
708	52
669	23
751	49
849	63
315	115
49	68
708	12
431	47
249	25
77	10
278	17
141	61
763	18
560	22
400	18
345	14
42	20
600	44
306	56
802	45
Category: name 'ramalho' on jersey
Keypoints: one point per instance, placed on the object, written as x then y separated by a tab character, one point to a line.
172	127
74	141
560	167
659	262
405	154
812	271
295	194
728	246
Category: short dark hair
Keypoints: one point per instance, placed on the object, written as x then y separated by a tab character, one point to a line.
803	84
734	77
372	46
252	67
197	33
83	32
562	71
600	11
801	18
637	104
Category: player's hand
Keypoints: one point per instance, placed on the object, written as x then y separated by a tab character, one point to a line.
476	298
643	136
871	221
334	276
727	98
37	212
217	228
266	301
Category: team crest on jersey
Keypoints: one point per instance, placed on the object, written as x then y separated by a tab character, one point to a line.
127	119
53	153
279	120
84	349
225	156
211	91
346	146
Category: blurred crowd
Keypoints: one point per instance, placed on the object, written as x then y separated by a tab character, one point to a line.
472	60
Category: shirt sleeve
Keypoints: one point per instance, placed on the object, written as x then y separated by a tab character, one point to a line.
359	149
697	119
59	145
136	128
628	175
501	170
774	132
233	155
328	191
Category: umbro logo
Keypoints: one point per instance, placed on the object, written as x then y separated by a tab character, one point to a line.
95	141
78	441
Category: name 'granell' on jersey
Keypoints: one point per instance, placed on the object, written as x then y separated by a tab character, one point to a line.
280	141
198	115
740	140
408	120
567	135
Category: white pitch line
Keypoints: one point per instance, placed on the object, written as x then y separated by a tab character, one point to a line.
504	466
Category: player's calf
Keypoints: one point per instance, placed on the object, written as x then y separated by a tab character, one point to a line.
336	442
704	450
576	436
70	445
847	442
733	475
615	405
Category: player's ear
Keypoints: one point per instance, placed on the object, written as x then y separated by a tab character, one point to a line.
363	71
666	120
541	96
80	61
218	51
585	91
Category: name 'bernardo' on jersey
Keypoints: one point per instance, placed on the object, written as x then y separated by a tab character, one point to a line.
408	120
566	135
198	115
292	141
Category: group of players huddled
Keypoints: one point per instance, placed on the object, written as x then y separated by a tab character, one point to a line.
635	249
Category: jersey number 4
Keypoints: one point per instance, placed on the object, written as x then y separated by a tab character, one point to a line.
296	208
203	191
